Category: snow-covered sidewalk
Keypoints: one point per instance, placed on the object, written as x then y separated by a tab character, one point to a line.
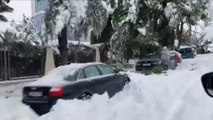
176	95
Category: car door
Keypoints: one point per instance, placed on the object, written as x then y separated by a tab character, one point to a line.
92	74
113	82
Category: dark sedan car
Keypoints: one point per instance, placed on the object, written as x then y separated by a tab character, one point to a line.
150	61
79	81
188	52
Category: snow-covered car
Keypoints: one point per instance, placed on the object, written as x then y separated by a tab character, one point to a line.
151	61
79	81
207	81
176	56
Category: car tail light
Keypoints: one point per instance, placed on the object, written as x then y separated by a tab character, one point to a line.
56	92
156	62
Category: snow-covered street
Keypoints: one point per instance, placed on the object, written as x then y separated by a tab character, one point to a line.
175	95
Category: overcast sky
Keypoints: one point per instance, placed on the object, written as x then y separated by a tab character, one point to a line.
20	7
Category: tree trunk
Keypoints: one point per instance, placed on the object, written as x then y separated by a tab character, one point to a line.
179	33
190	34
62	40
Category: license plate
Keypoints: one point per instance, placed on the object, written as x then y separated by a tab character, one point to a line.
35	94
147	64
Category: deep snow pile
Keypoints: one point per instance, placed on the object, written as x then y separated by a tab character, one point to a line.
176	95
11	107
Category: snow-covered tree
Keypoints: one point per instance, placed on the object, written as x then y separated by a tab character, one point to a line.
23	31
4	8
60	15
122	22
185	12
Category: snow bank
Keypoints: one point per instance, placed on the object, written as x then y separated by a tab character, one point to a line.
13	109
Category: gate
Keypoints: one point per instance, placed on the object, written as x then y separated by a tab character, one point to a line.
4	64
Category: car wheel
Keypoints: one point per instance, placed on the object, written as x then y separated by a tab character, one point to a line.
166	67
85	96
127	81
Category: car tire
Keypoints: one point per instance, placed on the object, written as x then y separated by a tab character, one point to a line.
166	67
127	81
85	96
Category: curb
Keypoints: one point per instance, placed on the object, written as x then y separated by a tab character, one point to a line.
11	82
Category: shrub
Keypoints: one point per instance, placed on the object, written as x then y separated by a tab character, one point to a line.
157	70
147	72
200	50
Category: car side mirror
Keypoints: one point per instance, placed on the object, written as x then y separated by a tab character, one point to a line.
116	71
207	81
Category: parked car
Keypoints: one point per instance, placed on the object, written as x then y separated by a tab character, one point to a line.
187	52
79	81
162	59
176	56
207	82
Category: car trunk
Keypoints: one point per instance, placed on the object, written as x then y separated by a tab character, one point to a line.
147	65
37	94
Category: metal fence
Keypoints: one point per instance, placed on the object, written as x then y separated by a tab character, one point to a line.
15	65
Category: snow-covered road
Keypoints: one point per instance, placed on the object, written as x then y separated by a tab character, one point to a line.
176	95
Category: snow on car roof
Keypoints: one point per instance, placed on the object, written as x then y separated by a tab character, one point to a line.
57	75
183	47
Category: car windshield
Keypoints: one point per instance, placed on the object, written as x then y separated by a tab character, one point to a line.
105	59
186	50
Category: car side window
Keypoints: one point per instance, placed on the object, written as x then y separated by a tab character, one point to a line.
105	70
91	71
82	75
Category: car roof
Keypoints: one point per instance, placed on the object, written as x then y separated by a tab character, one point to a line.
57	75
